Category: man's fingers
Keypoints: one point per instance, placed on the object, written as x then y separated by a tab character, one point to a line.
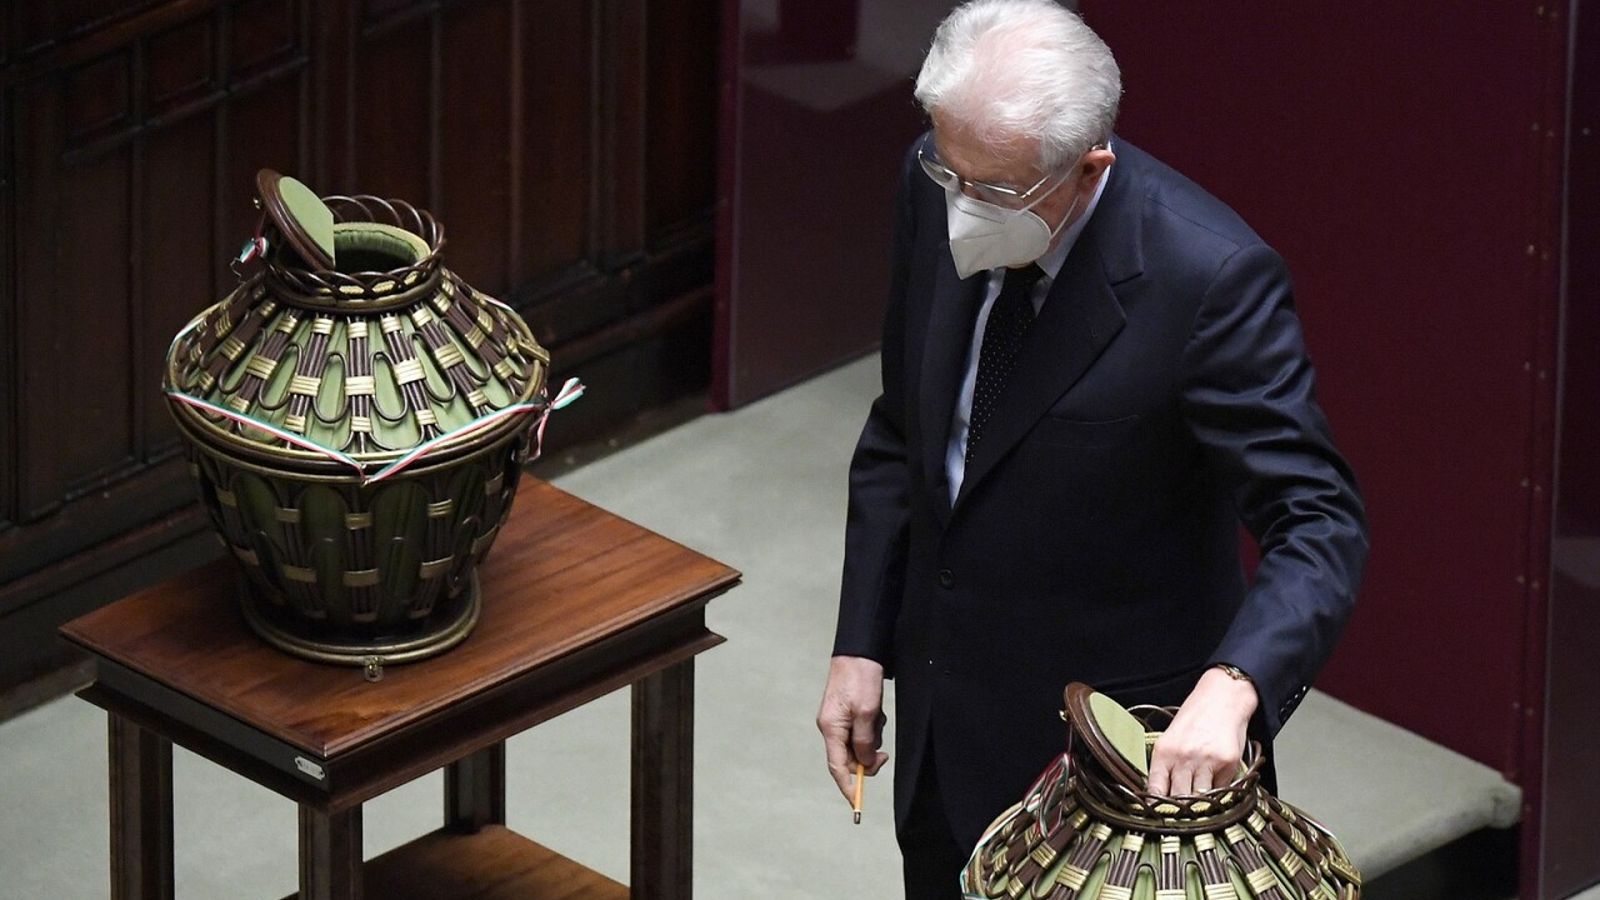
1162	765
1160	777
866	736
834	744
877	763
851	719
1202	780
1182	781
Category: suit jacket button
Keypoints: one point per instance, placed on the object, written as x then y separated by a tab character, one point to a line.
947	579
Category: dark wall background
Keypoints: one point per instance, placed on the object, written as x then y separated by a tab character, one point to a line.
1407	160
1570	788
566	147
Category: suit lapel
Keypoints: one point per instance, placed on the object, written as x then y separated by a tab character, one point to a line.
1080	317
944	360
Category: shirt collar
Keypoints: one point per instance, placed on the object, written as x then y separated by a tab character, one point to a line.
1052	262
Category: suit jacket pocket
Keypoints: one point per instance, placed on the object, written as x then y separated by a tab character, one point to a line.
1084	433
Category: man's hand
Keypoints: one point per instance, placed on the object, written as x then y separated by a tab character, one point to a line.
1202	747
851	720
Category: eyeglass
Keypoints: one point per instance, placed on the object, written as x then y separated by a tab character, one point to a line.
998	194
945	177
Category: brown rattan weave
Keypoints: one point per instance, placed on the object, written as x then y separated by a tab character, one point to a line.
357	435
1088	830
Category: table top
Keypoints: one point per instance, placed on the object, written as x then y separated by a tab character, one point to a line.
562	576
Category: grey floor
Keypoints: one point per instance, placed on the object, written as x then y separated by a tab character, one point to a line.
763	490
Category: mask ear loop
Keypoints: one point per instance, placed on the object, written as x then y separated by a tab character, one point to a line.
1066	218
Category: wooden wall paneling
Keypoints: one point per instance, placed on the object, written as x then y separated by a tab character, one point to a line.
618	177
28	646
392	100
173	211
180	66
330	30
639	363
262	34
98	529
262	129
177	265
51	21
617	372
475	126
583	254
73	286
53	35
8	313
635	323
554	106
118	170
31	24
266	67
8	31
680	150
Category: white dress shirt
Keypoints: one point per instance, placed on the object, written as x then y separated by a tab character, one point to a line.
955	455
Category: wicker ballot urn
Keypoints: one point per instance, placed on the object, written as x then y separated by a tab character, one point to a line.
1088	830
356	417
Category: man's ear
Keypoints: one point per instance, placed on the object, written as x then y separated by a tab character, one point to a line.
1093	165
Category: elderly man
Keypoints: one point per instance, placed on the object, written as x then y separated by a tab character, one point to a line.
1092	374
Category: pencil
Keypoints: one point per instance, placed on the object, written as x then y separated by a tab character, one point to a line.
861	781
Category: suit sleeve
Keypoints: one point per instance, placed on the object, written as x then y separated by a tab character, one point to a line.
1248	399
877	525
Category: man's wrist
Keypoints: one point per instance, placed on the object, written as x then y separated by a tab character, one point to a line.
1241	690
1234	672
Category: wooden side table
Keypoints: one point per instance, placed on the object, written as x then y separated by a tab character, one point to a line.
576	603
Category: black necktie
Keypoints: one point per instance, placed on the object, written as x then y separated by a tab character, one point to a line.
1008	322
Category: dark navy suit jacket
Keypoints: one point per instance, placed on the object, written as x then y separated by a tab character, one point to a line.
1163	396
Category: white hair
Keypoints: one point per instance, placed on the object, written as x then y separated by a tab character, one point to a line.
1023	69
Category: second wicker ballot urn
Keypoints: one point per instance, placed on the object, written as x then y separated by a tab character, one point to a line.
356	417
1089	830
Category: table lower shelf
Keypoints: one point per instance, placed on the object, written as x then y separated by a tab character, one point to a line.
496	863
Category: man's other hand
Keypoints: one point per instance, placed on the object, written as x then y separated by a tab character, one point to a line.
851	720
1203	746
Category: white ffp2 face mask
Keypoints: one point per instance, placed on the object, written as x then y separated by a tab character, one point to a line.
984	236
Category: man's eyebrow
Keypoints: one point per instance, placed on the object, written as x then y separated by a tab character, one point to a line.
995	182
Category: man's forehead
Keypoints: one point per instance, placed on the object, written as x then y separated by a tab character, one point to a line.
979	157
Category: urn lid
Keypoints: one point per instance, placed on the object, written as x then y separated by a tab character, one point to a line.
352	346
305	221
1115	736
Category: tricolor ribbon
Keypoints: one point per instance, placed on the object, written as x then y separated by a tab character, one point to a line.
254	247
572	390
298	440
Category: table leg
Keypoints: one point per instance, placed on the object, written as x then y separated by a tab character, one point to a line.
663	784
330	854
475	790
141	812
